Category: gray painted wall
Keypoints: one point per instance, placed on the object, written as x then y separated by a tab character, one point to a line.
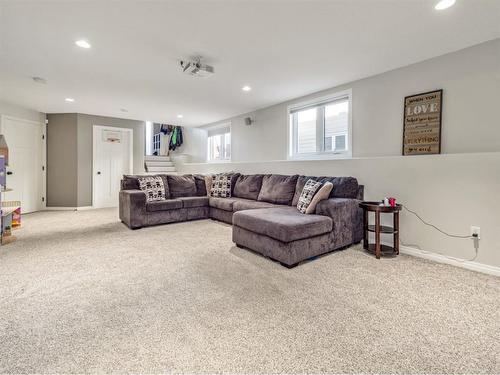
69	155
62	160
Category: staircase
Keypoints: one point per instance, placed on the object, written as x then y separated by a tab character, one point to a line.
159	165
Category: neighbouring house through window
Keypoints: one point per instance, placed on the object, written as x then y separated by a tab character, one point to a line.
321	128
219	143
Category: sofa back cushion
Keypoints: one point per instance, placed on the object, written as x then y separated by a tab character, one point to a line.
278	189
201	187
248	186
234	178
181	186
343	187
130	182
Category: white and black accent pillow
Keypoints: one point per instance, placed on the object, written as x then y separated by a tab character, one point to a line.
310	188
153	187
221	186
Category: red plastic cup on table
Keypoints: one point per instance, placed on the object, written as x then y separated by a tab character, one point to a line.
392	202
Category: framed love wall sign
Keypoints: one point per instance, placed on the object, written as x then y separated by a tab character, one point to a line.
422	123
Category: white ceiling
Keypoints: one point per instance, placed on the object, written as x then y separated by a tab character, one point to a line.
282	49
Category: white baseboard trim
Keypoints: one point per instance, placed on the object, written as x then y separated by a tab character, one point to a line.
83	208
60	208
473	266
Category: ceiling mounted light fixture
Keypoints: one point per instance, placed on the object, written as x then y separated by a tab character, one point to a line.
69	100
444	4
180	116
246	88
82	43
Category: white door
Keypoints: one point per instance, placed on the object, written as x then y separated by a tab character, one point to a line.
112	156
26	169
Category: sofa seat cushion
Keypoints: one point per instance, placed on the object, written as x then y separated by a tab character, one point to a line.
248	204
164	205
191	202
285	224
225	204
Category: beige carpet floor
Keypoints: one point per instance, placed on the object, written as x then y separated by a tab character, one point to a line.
81	293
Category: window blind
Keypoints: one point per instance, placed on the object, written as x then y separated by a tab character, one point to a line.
219	130
318	104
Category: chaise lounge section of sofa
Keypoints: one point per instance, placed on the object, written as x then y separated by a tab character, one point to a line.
262	210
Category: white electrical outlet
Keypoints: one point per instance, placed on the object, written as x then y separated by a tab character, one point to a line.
475	230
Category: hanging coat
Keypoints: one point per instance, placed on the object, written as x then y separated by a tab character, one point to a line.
176	139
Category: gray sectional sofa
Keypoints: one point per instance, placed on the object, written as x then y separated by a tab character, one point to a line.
262	210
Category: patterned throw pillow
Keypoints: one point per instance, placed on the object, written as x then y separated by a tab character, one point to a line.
322	194
310	188
221	186
153	187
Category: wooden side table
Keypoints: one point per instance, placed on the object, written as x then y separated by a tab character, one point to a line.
377	248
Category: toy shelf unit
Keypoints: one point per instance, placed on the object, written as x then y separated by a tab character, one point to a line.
10	210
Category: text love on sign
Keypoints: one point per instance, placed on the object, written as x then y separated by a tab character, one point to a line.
422	123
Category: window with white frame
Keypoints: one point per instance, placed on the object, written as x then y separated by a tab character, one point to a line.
219	143
321	128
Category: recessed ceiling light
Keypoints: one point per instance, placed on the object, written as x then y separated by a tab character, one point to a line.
444	4
83	43
70	100
246	88
180	116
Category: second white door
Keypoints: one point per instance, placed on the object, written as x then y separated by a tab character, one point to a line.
112	158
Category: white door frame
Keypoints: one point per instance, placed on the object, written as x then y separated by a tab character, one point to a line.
95	131
42	201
